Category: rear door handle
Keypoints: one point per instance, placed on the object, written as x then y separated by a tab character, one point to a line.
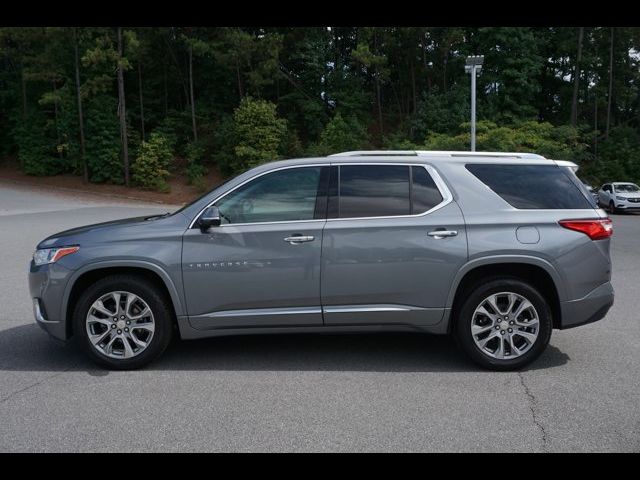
296	239
438	234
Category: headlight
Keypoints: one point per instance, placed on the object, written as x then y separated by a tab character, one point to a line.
620	198
52	255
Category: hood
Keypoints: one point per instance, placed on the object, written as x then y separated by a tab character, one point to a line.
76	235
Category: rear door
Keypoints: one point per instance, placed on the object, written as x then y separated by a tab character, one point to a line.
392	244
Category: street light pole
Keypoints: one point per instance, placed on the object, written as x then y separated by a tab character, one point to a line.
473	65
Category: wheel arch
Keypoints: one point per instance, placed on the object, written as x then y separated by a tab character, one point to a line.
538	272
88	275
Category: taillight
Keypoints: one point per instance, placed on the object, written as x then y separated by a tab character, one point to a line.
594	229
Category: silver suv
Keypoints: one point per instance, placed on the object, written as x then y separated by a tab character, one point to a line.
495	248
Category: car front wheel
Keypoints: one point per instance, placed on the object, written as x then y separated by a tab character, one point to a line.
503	324
123	322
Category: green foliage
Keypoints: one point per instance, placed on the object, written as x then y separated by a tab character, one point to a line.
150	169
103	140
618	158
195	170
36	147
340	135
338	88
440	112
561	143
176	128
257	134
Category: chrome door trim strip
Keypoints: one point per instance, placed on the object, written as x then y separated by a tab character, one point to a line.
261	312
369	308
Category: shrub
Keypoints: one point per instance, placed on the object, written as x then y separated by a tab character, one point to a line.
340	135
560	143
150	170
257	134
195	170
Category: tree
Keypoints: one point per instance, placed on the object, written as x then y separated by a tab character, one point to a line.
374	64
83	155
122	109
610	92
576	79
257	134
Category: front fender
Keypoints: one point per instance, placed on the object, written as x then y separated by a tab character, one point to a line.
176	294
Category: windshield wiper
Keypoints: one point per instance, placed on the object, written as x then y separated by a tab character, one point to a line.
162	215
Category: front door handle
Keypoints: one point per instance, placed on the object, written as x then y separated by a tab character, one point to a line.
296	239
438	234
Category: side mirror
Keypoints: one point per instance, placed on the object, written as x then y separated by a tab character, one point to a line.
210	218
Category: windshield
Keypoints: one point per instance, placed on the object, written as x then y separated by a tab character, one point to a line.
628	187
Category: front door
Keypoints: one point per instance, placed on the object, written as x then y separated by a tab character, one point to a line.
392	251
261	266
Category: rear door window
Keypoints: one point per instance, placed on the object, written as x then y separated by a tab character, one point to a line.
374	191
424	192
533	186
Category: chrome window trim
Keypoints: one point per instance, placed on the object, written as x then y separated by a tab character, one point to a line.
447	196
249	180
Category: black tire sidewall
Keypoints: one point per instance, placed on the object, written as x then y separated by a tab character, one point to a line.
462	326
140	286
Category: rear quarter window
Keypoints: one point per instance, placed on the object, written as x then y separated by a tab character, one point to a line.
532	186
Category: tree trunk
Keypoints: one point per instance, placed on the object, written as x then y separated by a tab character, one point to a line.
595	132
55	117
413	88
193	105
609	95
122	111
378	92
83	158
24	93
166	93
576	80
239	78
141	101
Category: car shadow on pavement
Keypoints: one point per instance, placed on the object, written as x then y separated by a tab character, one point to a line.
27	348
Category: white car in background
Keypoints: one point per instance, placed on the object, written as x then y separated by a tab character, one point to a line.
619	196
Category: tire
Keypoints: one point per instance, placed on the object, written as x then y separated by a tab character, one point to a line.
612	207
153	329
467	315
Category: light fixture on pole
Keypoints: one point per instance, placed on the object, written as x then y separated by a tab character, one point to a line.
473	65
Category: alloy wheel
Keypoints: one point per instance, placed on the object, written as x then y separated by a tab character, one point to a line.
505	325
120	325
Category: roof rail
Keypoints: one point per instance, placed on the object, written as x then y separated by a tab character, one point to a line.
414	153
376	153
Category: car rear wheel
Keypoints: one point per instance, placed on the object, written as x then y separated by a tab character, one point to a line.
123	322
503	324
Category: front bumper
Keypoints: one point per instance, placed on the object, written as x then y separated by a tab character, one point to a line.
626	205
47	285
588	309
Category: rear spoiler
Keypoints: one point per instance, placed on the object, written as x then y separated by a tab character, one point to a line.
566	163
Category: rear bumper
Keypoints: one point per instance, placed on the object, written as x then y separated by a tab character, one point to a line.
590	308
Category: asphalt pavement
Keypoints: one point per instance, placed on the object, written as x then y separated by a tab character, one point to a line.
384	392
